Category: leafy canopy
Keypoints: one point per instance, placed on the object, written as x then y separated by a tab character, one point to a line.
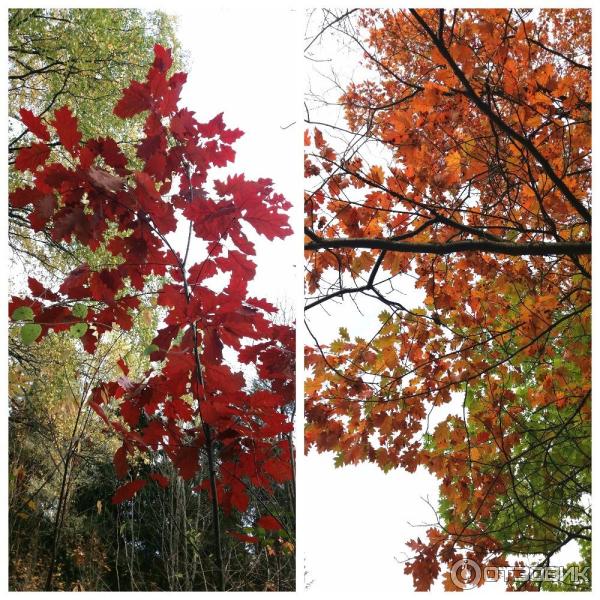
462	171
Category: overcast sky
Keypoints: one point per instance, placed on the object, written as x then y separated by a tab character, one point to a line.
241	63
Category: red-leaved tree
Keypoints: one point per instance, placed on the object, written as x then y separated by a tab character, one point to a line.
191	406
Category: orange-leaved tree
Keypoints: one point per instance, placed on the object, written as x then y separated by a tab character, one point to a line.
461	173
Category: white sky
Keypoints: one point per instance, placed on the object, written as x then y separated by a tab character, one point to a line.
240	64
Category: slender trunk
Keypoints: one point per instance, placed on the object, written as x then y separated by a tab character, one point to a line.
212	475
208	446
56	529
62	501
215	507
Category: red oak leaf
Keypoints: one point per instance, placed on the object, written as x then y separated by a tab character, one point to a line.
183	125
213	128
163	58
269	523
66	128
43	211
130	411
34	124
160	479
21	197
136	99
31	157
239	498
186	461
128	491
75	281
243	537
40	291
120	462
155	433
278	469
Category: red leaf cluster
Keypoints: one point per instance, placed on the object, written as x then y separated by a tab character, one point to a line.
189	397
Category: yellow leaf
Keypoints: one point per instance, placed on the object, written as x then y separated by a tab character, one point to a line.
311	386
376	174
453	160
147	316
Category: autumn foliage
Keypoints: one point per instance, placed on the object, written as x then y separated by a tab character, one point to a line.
464	174
192	405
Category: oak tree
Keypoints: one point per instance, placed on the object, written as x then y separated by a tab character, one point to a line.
192	405
459	174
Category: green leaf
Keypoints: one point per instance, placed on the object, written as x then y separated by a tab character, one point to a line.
23	313
78	329
30	333
150	349
79	310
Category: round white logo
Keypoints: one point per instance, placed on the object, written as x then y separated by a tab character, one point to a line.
465	574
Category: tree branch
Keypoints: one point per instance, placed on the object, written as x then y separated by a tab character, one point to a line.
515	135
440	248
